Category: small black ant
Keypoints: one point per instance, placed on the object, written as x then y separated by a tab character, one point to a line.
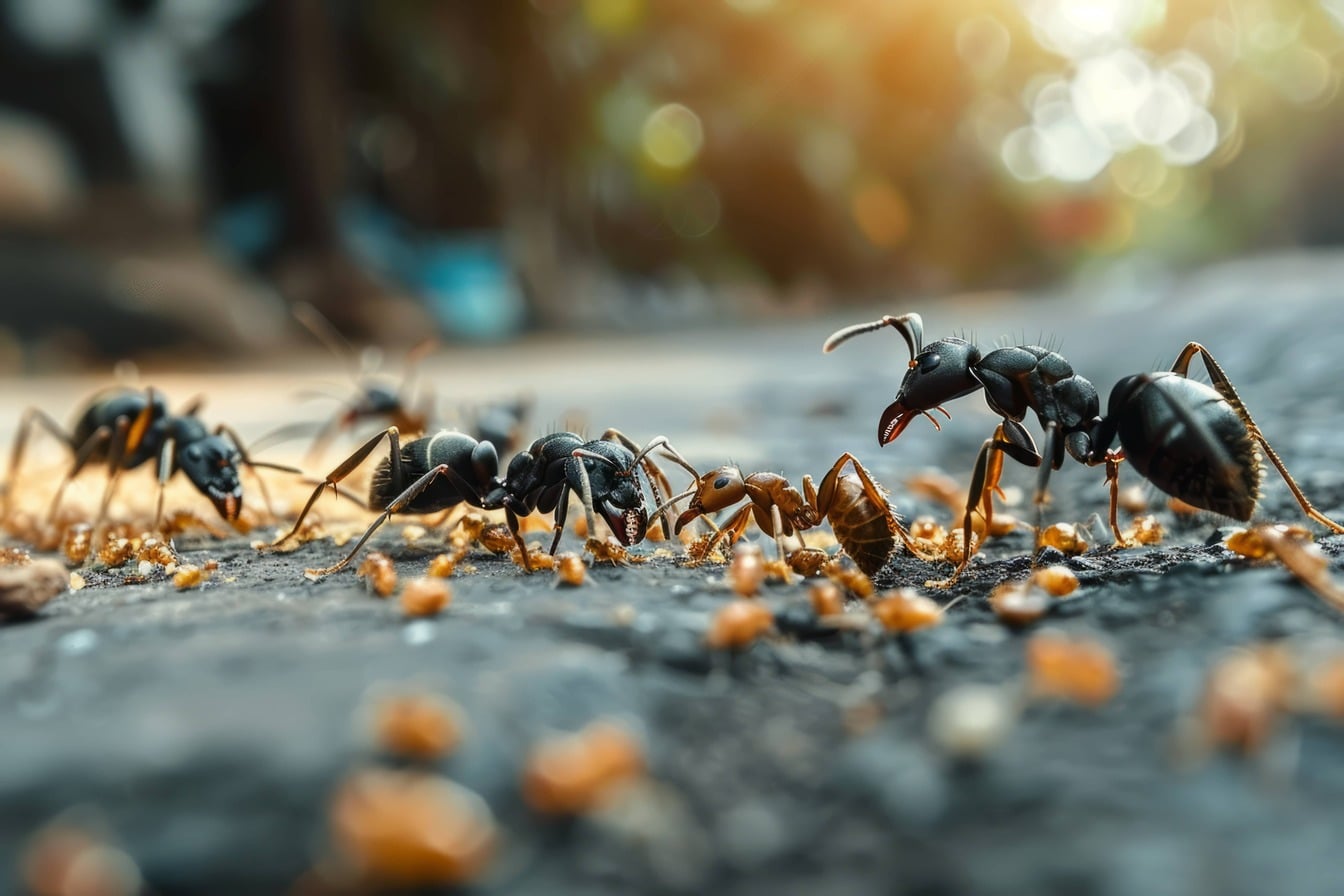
379	398
375	397
439	472
1193	441
123	429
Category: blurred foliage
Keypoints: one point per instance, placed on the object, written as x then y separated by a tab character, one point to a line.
937	142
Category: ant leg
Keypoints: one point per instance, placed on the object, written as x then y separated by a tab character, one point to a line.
30	417
1018	444
116	451
398	504
193	407
586	497
1224	387
562	513
732	530
512	517
100	437
777	523
346	468
165	471
1113	459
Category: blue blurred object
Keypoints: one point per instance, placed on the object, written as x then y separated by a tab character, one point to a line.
465	280
470	287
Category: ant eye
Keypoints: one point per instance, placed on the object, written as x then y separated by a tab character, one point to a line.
193	453
721	482
930	362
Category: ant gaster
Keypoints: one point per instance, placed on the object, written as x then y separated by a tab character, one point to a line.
1194	441
444	470
124	429
855	506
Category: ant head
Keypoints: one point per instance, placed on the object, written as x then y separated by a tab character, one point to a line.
211	464
714	491
613	475
938	372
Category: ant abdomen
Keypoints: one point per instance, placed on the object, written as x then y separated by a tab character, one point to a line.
864	529
1186	439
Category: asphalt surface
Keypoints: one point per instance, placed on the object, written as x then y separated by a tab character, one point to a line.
207	729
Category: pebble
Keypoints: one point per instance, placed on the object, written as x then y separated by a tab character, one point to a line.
77	642
421	631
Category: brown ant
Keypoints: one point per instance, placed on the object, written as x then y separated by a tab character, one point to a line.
855	506
1195	442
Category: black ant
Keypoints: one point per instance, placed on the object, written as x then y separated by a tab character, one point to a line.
124	429
392	403
1194	441
854	505
375	398
439	472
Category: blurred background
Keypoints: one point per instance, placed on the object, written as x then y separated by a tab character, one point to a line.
174	176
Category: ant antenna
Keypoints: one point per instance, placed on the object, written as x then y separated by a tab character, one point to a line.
910	326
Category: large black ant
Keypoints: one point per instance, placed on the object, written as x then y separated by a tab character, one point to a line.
444	470
1194	441
855	506
123	429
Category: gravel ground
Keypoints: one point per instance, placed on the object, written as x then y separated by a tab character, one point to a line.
207	729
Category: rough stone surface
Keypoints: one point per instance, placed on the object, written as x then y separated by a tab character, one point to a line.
209	727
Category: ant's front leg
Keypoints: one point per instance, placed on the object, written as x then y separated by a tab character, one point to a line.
1009	438
395	479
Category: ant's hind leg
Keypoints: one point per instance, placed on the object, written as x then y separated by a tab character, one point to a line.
1224	387
397	506
31	417
347	467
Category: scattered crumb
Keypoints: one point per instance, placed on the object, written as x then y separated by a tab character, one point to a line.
426	596
575	773
738	624
188	576
409	829
416	725
378	573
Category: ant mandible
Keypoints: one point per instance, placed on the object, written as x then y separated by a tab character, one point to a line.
124	429
1193	441
444	470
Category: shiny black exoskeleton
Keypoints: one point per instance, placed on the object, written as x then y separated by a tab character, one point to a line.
1195	442
123	429
450	468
